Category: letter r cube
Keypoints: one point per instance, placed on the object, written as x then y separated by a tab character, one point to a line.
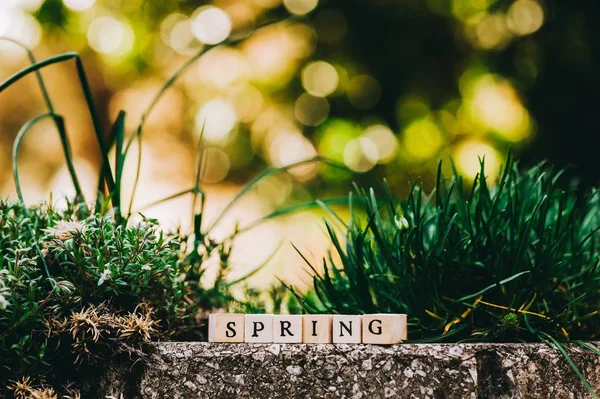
287	328
226	327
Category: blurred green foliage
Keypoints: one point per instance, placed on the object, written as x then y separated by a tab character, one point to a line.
410	82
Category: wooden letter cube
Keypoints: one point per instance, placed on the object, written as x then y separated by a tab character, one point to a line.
346	329
287	328
385	329
259	328
316	329
226	327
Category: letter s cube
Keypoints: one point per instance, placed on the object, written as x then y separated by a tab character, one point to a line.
226	327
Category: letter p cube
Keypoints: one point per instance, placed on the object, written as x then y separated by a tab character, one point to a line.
259	328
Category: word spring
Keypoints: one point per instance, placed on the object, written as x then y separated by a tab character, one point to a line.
382	329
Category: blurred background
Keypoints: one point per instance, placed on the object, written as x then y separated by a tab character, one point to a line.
386	87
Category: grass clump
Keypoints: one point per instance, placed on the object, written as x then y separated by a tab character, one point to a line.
512	259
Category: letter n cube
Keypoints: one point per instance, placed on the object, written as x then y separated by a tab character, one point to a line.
226	327
346	329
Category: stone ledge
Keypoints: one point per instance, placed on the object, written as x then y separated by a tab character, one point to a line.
203	370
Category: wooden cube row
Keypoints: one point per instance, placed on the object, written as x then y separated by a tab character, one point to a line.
384	329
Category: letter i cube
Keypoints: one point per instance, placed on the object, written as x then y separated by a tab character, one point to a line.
316	329
259	328
226	327
384	329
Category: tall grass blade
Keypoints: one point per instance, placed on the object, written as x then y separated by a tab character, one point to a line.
58	122
257	268
267	173
15	164
553	342
490	287
293	209
87	92
167	85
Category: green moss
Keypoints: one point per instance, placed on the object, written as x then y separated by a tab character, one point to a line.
92	270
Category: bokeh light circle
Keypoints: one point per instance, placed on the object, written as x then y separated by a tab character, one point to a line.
363	91
361	154
385	141
27	5
320	78
291	147
211	25
525	17
19	25
311	110
300	7
422	139
216	119
79	5
108	35
176	32
217	165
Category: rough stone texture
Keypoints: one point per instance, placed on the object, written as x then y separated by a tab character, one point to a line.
203	370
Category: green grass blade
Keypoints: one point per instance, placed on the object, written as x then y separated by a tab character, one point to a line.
167	199
36	67
87	92
38	73
267	173
15	164
117	136
483	291
119	127
439	181
257	268
15	154
325	206
89	99
66	146
166	86
197	214
550	339
292	209
138	170
59	122
588	346
119	132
